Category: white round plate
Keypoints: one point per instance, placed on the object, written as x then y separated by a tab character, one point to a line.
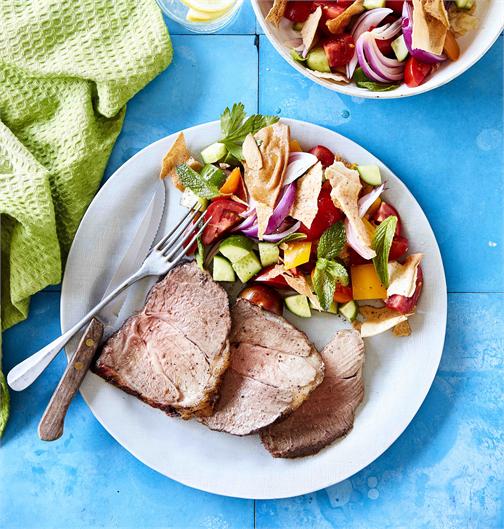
473	46
398	371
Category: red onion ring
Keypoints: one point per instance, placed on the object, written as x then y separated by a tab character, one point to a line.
299	163
247	223
353	241
407	27
374	64
366	201
275	237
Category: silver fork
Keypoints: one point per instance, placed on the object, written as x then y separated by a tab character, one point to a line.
160	260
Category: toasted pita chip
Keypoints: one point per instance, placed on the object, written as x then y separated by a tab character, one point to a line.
339	24
403	277
308	187
402	329
264	183
462	20
379	319
177	155
276	12
430	25
331	76
309	30
251	153
346	186
297	283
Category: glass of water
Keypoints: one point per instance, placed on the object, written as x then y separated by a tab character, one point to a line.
202	16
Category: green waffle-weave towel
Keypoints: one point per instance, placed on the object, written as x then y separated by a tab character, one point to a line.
67	69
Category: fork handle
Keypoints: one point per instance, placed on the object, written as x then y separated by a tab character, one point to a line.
51	425
26	372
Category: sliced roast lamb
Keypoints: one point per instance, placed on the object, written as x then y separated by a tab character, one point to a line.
172	355
273	369
329	412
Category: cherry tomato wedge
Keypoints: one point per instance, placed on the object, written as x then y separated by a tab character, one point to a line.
399	248
225	214
327	215
384	211
264	296
415	72
339	50
403	304
298	11
395	5
342	294
324	155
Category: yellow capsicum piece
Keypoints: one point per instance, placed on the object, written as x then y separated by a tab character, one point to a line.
296	253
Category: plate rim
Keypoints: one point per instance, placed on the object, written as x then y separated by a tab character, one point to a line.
372	455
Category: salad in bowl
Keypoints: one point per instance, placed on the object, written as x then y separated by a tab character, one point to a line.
377	45
297	227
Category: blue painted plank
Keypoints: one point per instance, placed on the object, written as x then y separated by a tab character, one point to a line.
446	145
244	24
86	479
194	89
446	470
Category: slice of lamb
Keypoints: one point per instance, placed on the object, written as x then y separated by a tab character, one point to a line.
172	355
329	412
273	369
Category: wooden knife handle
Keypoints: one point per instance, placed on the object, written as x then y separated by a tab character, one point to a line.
51	425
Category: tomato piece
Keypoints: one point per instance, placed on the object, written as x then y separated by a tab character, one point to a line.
339	50
385	46
384	211
415	72
324	155
403	304
225	215
327	215
399	248
395	5
342	294
264	296
298	11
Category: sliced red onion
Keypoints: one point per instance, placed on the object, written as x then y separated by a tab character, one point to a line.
247	223
299	163
293	43
389	31
366	201
353	241
374	64
363	24
282	208
407	28
275	237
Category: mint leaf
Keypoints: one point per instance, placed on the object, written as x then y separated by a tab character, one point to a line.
196	183
235	127
292	237
382	241
200	254
332	241
362	81
327	274
4	403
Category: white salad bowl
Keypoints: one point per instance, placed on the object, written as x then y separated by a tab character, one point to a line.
473	46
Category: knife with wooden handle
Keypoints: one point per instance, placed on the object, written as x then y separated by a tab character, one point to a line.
51	425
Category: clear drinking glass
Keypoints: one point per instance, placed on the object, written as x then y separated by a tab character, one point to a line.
177	11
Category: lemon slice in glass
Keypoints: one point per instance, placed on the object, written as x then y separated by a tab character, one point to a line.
194	15
210	6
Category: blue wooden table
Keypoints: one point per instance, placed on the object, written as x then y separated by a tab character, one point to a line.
446	471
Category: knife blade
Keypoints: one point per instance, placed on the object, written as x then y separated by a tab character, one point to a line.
135	254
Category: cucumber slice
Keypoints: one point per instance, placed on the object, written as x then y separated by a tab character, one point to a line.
189	198
213	153
400	48
349	310
464	4
222	269
247	267
317	60
373	4
268	253
298	305
236	247
370	174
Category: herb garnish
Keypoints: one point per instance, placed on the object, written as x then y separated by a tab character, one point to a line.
382	242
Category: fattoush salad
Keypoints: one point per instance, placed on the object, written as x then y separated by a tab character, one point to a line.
299	226
377	44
